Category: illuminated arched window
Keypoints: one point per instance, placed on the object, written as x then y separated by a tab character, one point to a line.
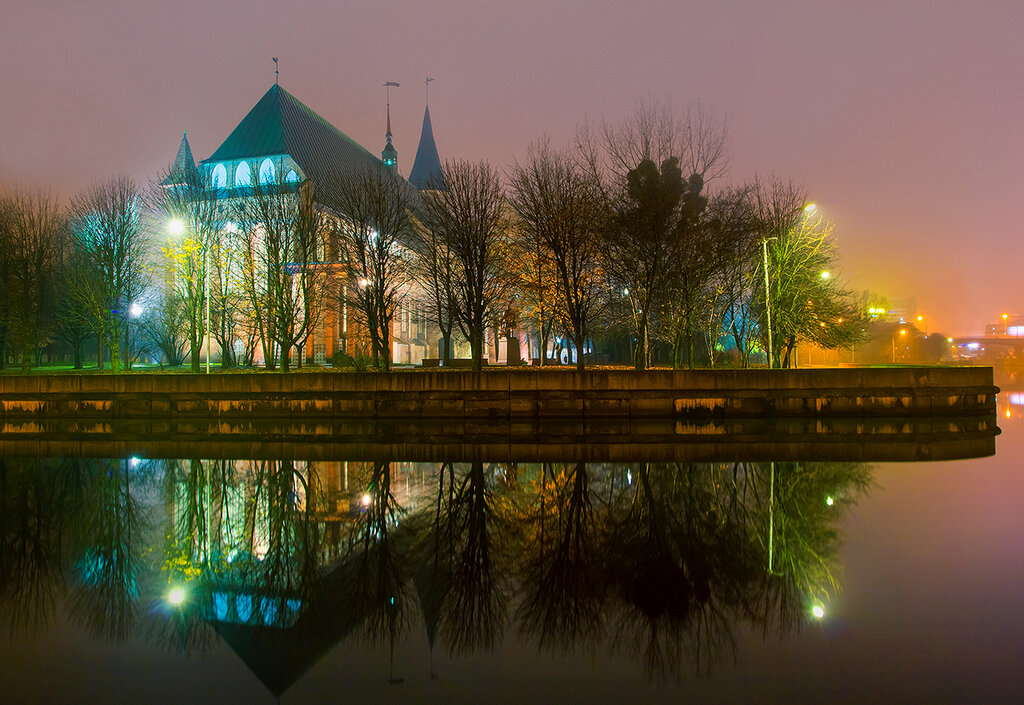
243	175
220	176
267	172
292	177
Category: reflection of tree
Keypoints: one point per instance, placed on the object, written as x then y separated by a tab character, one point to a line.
666	560
374	588
674	564
34	506
460	574
562	579
805	500
474	613
103	595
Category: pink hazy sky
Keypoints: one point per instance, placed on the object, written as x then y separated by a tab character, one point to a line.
902	117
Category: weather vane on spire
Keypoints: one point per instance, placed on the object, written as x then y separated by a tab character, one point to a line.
276	67
426	88
387	98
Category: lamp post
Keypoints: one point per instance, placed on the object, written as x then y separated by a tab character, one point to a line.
767	297
903	331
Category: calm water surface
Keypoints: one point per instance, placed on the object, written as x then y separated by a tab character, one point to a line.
223	580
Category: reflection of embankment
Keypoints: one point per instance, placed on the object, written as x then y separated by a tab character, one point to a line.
551	440
285	559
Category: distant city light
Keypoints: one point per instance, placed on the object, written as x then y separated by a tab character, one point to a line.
366	500
920	318
949	340
903	332
1005	316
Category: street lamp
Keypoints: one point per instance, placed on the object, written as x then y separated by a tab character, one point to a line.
764	250
903	331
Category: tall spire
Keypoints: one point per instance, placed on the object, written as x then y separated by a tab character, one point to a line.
426	168
390	155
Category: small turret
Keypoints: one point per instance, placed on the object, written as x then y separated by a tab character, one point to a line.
183	170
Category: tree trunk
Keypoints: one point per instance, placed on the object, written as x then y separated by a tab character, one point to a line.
446	354
476	344
285	358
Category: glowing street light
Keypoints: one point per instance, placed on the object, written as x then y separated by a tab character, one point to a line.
826	275
176	596
810	208
818	611
176	227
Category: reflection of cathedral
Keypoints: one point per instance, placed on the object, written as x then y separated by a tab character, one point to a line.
282	143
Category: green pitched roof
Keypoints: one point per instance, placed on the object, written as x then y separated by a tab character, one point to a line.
282	124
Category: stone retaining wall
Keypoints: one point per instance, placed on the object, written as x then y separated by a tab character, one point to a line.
902	391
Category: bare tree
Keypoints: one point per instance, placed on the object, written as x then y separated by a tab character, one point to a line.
375	233
190	213
470	219
434	268
639	163
38	228
562	208
107	226
732	286
285	280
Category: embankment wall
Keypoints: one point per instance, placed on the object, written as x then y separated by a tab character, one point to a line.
509	394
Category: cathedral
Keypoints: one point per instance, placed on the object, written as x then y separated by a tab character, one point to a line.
282	143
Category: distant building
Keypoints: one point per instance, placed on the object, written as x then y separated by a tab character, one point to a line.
280	144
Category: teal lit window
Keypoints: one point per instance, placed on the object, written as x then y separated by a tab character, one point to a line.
243	175
292	177
220	176
266	172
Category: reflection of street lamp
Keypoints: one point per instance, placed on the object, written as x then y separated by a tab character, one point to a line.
176	227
